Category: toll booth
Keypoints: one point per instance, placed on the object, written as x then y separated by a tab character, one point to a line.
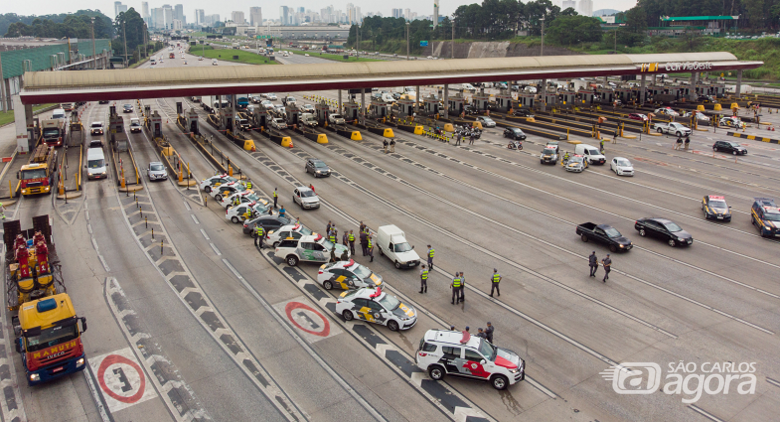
156	124
606	95
481	100
191	117
226	118
526	99
147	111
321	111
586	96
568	98
656	89
550	98
455	103
260	116
116	129
380	108
293	113
407	106
351	111
719	90
431	105
625	94
504	100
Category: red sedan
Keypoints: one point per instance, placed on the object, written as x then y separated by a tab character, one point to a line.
638	116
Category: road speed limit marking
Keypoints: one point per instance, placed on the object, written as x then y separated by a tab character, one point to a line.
122	381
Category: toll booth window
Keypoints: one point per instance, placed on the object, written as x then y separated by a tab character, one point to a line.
33	174
96	164
52	337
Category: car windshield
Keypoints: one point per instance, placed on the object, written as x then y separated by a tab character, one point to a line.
305	231
612	232
575	160
548	151
52	337
623	163
402	247
47	133
307	194
319	164
717	203
128	106
361	271
327	244
486	349
97	125
135	123
672	227
156	167
390	302
33	174
772	216
95	164
260	208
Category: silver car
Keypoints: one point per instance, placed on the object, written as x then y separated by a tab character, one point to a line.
486	121
156	171
306	198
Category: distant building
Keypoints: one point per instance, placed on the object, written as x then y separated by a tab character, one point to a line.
119	8
398	13
200	17
178	14
586	7
704	24
255	16
238	18
145	12
568	3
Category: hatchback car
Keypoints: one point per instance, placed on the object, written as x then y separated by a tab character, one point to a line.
237	213
663	229
621	166
376	306
514	133
730	121
127	108
312	248
729	147
347	275
317	168
268	222
714	207
638	116
486	121
156	171
306	198
295	231
271	96
522	112
278	123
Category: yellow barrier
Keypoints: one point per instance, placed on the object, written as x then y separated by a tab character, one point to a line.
717	107
287	142
249	145
477	125
449	128
322	138
700	107
389	133
418	130
356	136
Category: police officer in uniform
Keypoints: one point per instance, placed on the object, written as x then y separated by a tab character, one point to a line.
351	239
332	237
430	257
593	262
276	197
259	235
423	280
370	248
495	280
607	263
249	184
457	284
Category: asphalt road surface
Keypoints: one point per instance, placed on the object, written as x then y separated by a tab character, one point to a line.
224	331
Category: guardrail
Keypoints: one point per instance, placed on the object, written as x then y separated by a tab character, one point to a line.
753	137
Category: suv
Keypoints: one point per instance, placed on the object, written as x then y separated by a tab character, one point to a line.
730	147
336	119
312	248
443	352
766	217
317	167
278	123
96	128
306	198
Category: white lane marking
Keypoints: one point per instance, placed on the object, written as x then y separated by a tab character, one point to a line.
89	228
194	219
707	415
773	382
203	232
303	343
186	204
216	251
103	261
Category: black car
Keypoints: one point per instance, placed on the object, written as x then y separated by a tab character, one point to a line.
103	102
470	109
523	112
317	168
268	222
663	229
127	108
730	147
715	208
514	133
604	233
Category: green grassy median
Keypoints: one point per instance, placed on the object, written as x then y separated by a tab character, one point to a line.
339	57
227	55
7	117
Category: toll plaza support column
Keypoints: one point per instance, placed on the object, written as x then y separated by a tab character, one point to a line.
446	100
738	90
642	89
24	133
543	92
340	108
417	100
362	114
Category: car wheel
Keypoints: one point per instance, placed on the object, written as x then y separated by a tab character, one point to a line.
679	134
347	314
380	252
397	265
499	382
234	220
734	152
642	232
275	244
660	131
714	148
292	260
327	284
218	198
672	243
584	238
436	372
207	189
613	248
541	161
392	325
706	217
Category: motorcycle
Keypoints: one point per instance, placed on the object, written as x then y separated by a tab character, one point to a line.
515	145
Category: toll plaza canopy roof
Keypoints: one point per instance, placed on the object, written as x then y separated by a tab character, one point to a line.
91	85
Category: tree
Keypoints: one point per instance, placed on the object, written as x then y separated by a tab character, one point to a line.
570	30
128	24
635	31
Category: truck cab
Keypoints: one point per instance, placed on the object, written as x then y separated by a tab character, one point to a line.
308	119
392	243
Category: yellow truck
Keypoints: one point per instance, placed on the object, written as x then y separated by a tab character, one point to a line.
37	176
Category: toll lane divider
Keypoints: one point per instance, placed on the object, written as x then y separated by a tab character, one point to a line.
449	401
278	138
382	131
345	132
311	135
753	137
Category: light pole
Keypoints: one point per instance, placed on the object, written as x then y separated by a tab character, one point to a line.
124	37
407	40
94	58
615	52
453	38
542	19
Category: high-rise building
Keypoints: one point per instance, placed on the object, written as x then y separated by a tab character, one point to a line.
177	25
158	18
237	17
178	14
408	14
168	15
200	17
145	11
284	15
119	8
398	13
586	7
255	16
568	3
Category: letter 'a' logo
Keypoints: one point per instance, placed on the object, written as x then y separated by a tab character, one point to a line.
627	378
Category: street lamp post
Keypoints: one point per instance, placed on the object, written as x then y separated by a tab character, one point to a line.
407	40
615	52
542	19
94	57
124	37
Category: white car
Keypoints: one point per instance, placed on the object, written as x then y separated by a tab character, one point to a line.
210	183
621	166
226	189
271	96
444	352
666	111
295	231
486	121
267	104
242	197
135	125
731	121
376	306
96	128
347	275
336	119
306	198
278	123
699	116
236	213
312	248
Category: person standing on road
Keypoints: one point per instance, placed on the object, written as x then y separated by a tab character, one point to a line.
496	279
384	143
249	184
259	235
364	242
351	239
392	145
282	211
462	287
276	197
430	257
481	333
471	139
423	279
607	263
458	139
370	248
593	262
344	238
456	285
327	228
489	332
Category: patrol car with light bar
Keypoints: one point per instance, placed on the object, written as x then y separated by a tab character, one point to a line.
715	208
312	248
765	215
347	275
376	306
295	231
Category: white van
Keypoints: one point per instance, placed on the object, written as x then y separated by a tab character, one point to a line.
392	242
590	153
96	164
59	113
213	62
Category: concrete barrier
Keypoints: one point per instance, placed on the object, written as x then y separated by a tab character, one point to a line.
753	137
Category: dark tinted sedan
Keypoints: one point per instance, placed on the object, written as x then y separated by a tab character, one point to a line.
523	113
663	229
729	147
268	222
514	133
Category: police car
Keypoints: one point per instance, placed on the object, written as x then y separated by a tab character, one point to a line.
243	197
227	189
311	248
347	275
210	183
765	215
714	207
295	231
236	212
374	305
444	352
576	163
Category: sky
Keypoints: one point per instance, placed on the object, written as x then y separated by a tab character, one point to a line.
270	7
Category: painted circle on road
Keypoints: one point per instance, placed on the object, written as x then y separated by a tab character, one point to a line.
291	306
135	380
